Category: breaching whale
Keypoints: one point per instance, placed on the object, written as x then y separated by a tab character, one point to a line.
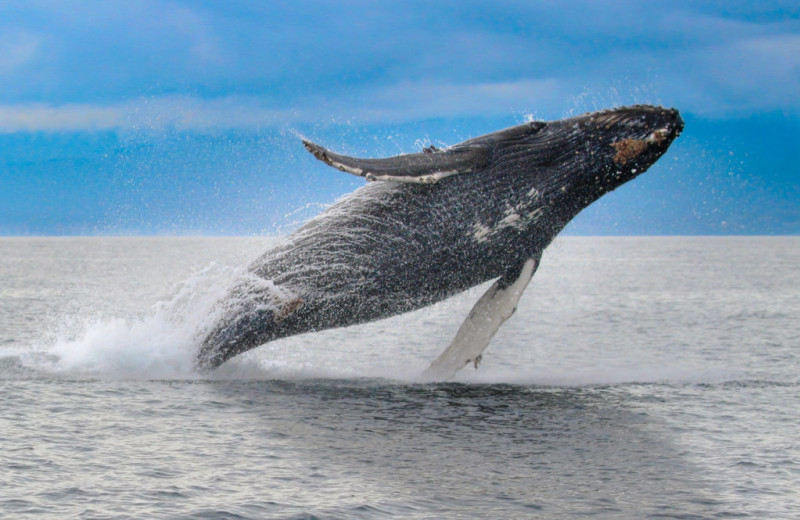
434	224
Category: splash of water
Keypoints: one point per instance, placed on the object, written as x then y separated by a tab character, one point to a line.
161	344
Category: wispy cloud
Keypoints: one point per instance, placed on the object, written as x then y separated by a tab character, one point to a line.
764	71
65	118
179	113
741	76
17	48
408	100
396	103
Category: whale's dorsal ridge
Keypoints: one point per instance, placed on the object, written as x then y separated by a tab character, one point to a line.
430	166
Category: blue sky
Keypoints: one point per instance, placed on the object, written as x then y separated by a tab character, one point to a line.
170	117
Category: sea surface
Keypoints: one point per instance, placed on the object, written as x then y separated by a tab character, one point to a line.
640	378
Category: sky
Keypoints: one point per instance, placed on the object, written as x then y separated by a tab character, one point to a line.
176	118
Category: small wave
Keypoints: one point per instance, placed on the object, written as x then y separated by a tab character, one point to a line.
751	384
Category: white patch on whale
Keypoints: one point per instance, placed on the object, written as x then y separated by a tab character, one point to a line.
518	216
480	232
422	179
511	219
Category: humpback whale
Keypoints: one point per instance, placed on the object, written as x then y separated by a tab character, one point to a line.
433	224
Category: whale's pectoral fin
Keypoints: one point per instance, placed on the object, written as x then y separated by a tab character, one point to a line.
430	166
485	318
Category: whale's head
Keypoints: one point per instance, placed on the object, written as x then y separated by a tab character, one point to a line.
563	166
594	153
622	143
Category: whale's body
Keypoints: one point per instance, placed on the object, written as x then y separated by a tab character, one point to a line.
434	225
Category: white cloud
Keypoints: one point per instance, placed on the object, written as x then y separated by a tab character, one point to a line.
16	49
144	115
741	76
408	101
396	103
774	59
37	117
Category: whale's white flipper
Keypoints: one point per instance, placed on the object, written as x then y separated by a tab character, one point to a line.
485	318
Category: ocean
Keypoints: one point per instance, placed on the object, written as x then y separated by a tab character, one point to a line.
652	377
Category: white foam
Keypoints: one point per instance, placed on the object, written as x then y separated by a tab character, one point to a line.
161	344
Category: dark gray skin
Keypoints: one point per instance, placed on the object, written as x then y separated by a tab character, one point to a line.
392	247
